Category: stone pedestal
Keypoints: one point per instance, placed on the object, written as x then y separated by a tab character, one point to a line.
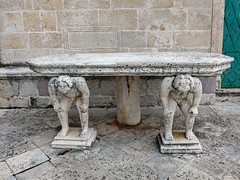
179	144
73	141
128	100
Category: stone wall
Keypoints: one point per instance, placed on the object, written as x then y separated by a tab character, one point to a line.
32	28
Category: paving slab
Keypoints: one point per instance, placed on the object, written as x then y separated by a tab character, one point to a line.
26	160
35	173
44	137
164	165
5	172
189	172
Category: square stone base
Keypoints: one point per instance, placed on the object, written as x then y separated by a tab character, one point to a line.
73	140
179	144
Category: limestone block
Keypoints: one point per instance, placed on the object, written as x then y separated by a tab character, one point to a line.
128	4
191	39
42	101
31	21
2	22
5	172
126	19
13	22
199	19
28	88
85	40
162	19
159	39
133	39
20	102
15	41
28	4
86	4
26	160
197	4
178	4
108	87
11	5
4	102
46	40
76	19
8	88
48	4
48	21
162	3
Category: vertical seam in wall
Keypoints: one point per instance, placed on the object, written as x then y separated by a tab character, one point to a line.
137	19
98	15
56	20
211	37
33	5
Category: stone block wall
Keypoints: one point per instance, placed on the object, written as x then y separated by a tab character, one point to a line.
32	28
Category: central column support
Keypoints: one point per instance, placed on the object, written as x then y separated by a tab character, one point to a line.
128	100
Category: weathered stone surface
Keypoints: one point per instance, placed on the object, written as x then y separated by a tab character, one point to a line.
138	64
163	19
49	21
15	41
85	40
48	5
171	165
179	144
126	19
162	3
26	160
32	21
191	39
199	19
128	100
76	19
73	140
159	39
28	88
133	39
12	5
190	172
36	172
19	56
44	137
86	4
28	4
46	40
5	172
128	4
197	4
13	22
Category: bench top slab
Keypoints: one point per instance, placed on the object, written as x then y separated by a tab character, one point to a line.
132	64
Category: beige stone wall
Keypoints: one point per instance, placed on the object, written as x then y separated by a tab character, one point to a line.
31	28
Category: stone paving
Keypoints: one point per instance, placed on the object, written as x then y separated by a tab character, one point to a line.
120	152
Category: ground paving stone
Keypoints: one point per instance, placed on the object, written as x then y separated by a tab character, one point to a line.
26	160
189	172
5	172
44	137
123	152
36	173
164	164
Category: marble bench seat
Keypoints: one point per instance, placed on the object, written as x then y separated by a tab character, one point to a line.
127	68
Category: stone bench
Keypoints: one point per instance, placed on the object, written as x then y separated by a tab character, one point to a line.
128	67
